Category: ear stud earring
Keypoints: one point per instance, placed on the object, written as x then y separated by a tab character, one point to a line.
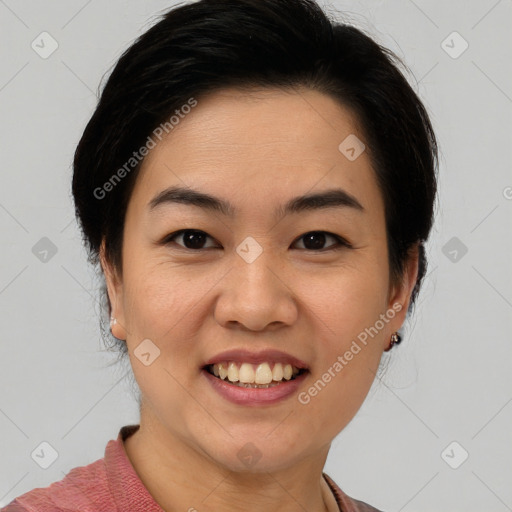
395	340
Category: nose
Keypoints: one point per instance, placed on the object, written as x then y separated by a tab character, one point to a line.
256	296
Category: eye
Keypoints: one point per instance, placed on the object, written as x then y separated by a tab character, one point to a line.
314	240
192	238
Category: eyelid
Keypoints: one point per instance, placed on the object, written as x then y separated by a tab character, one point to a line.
342	242
167	239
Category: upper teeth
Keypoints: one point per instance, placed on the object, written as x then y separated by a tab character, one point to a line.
248	373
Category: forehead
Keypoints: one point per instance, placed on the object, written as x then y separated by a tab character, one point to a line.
260	145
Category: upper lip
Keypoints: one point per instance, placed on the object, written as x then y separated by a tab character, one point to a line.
262	356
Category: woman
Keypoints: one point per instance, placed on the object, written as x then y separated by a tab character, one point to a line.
257	183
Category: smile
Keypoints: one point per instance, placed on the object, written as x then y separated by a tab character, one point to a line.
250	375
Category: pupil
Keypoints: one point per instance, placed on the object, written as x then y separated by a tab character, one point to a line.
188	239
320	240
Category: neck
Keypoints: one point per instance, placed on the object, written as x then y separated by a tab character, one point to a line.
180	478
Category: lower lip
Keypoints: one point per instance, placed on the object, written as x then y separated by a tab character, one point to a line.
254	396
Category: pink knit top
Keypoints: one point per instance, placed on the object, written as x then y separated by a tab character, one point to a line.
111	484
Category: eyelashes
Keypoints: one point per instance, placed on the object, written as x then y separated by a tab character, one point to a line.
195	240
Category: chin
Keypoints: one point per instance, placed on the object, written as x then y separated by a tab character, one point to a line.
256	451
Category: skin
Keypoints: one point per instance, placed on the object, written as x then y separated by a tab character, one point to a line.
257	150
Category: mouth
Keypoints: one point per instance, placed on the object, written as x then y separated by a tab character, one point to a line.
255	379
262	375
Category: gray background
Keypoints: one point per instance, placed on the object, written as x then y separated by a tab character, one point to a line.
450	380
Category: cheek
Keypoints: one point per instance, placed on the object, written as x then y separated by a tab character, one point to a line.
159	296
348	300
346	310
168	304
160	305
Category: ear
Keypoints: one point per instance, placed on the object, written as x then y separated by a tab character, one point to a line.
400	293
115	294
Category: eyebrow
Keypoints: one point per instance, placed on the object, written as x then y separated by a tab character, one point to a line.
333	198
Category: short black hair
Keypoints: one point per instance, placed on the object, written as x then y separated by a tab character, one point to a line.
208	45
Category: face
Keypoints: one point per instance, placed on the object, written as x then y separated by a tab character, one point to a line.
254	277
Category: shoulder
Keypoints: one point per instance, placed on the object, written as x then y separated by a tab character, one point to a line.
108	484
345	502
84	488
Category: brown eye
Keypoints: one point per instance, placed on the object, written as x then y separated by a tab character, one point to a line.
192	239
195	240
315	241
